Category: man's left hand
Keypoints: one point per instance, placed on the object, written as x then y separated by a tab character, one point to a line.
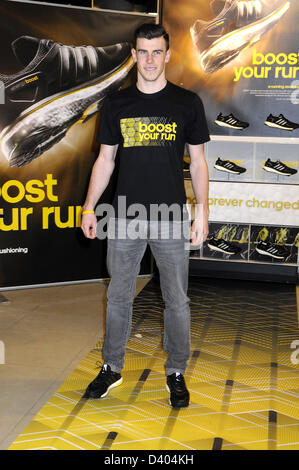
199	231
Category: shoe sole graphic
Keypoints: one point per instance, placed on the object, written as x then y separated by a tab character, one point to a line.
229	46
272	124
271	170
224	124
227	171
262	252
41	126
115	384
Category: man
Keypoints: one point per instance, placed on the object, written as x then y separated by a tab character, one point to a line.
150	122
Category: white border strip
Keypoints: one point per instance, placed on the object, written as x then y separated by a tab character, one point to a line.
266	140
67	283
103	10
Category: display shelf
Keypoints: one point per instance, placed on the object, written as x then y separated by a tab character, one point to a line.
233	138
246	271
279	229
205	258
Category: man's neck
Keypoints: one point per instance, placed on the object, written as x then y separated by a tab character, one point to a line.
150	87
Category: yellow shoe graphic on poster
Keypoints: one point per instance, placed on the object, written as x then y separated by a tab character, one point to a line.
296	241
236	26
281	236
262	235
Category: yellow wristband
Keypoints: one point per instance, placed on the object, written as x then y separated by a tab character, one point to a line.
87	212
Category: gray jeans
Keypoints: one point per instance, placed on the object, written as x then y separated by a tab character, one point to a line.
169	242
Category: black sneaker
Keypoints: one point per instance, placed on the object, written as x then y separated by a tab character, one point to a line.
230	121
228	166
279	168
179	394
58	87
235	26
218	244
101	385
274	251
280	122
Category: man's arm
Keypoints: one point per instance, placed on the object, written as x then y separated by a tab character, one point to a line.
100	176
200	182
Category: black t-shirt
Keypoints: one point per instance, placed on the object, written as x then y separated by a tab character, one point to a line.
152	130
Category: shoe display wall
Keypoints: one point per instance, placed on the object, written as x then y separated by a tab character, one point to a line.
250	243
279	245
249	163
241	58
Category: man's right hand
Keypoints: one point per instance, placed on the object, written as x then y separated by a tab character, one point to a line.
89	225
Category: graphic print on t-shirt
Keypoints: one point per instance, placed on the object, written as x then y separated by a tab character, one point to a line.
148	131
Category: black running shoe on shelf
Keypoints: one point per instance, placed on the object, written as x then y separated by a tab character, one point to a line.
58	87
235	26
280	122
228	166
274	251
278	167
179	394
218	244
230	121
105	381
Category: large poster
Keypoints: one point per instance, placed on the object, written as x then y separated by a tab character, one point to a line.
242	58
57	64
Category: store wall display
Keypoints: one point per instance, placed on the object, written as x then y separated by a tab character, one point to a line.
274	244
250	243
57	64
250	221
241	57
226	241
266	168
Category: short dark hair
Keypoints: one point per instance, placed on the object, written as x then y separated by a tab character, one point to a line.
151	31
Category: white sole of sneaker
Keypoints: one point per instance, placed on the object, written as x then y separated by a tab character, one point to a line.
227	171
115	384
261	252
167	388
214	248
271	170
224	124
277	126
230	45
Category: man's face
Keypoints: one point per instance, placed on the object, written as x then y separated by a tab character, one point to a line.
151	56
